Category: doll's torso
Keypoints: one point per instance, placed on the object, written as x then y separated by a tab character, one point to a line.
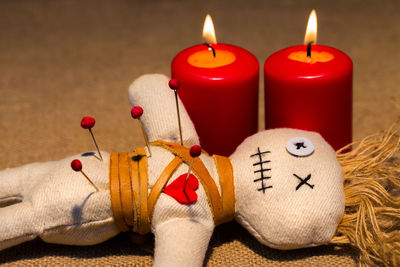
166	207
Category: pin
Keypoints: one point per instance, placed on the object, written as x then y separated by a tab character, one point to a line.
88	123
195	151
174	85
136	113
76	165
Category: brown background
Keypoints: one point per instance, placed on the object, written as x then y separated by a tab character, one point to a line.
61	60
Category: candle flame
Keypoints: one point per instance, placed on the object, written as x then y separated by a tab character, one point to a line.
208	31
311	32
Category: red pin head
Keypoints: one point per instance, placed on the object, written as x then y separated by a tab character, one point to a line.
173	84
195	151
76	165
87	122
136	112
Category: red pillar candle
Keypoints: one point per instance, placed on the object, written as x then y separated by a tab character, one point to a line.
219	93
310	93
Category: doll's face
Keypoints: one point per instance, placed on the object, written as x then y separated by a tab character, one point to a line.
289	188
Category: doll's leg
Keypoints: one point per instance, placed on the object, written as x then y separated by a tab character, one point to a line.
181	242
18	224
159	118
78	215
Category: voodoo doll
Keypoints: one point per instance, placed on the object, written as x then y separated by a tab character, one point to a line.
285	186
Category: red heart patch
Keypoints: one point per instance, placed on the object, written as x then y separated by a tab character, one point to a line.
175	189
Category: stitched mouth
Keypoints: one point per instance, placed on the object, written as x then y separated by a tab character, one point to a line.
261	171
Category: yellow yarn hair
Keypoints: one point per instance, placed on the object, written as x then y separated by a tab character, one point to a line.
372	188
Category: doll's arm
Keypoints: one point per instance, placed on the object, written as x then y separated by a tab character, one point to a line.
181	242
152	93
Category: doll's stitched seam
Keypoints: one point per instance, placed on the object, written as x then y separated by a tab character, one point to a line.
56	228
262	169
19	237
79	224
262	162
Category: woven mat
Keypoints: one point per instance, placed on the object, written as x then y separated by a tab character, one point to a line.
226	249
61	60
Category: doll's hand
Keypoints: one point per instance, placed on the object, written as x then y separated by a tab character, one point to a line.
152	93
59	205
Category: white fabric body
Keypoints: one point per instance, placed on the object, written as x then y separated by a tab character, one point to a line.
57	203
61	206
160	119
182	232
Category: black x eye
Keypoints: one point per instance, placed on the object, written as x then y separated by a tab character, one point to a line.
303	181
300	146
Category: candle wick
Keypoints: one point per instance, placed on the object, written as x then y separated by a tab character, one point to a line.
211	48
309	50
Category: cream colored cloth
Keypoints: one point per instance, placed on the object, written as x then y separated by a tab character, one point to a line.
160	120
283	217
60	205
56	203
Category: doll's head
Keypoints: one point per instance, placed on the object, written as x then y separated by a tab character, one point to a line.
288	188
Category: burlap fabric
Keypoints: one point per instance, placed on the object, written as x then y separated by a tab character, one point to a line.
230	245
61	60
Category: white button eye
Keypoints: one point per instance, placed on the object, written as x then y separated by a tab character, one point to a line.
300	146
